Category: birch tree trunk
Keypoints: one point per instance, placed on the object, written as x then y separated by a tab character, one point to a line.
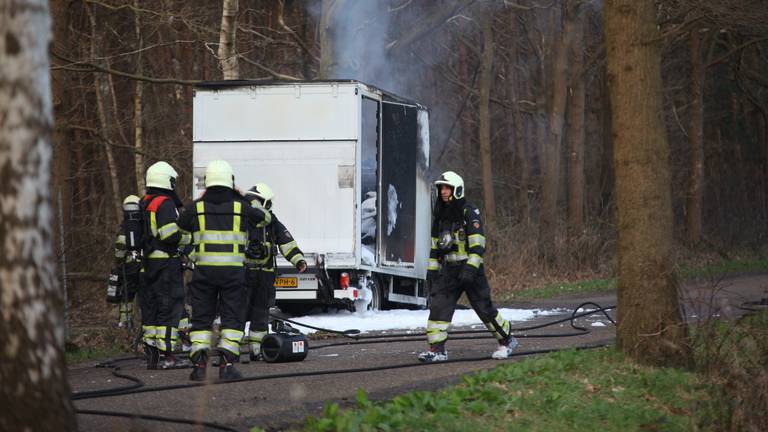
576	126
486	82
650	328
138	100
695	194
227	52
34	393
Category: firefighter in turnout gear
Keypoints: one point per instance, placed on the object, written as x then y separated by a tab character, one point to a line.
456	266
129	263
260	261
219	221
162	295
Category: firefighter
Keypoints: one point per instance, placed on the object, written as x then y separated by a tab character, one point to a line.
162	297
219	222
129	263
456	266
260	262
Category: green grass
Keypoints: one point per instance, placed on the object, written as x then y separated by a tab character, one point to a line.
92	353
558	289
606	285
569	390
722	268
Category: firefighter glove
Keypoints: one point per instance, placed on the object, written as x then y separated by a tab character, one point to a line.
302	266
467	274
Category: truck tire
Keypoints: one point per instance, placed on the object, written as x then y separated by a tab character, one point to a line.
379	300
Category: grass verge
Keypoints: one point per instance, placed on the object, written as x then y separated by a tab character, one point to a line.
733	358
568	390
712	270
93	353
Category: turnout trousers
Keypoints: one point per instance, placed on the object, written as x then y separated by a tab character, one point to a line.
223	290
161	299
444	295
261	297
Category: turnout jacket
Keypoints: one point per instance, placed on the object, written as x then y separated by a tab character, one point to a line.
459	239
162	235
219	222
274	236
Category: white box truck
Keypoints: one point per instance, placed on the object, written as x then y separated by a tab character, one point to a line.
348	164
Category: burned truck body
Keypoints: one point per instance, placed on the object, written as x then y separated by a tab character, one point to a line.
348	164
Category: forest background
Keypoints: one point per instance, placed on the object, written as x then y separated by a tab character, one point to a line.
518	103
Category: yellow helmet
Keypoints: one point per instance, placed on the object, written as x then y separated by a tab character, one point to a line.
219	173
264	193
453	180
161	175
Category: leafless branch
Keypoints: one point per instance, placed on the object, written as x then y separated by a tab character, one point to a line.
299	40
86	66
735	50
274	73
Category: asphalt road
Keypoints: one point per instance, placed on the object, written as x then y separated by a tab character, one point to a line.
278	403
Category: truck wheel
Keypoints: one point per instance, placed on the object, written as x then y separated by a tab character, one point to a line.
379	299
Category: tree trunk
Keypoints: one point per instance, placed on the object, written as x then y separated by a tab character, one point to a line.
466	122
650	328
34	393
576	126
517	122
486	83
328	54
696	141
227	52
550	188
100	88
62	137
138	100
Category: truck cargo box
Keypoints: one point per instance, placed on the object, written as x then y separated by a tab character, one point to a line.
348	165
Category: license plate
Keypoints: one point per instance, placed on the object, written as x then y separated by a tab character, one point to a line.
286	282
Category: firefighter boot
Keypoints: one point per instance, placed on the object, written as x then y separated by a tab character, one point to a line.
227	372
505	349
436	353
200	361
173	362
153	356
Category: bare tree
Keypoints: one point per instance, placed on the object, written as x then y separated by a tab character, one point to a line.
34	393
227	52
328	55
138	101
695	194
100	87
486	82
575	136
553	140
650	328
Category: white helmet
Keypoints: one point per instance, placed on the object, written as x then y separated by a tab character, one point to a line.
453	180
161	175
219	173
263	193
131	199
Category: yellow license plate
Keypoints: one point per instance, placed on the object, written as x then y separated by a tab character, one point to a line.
286	282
